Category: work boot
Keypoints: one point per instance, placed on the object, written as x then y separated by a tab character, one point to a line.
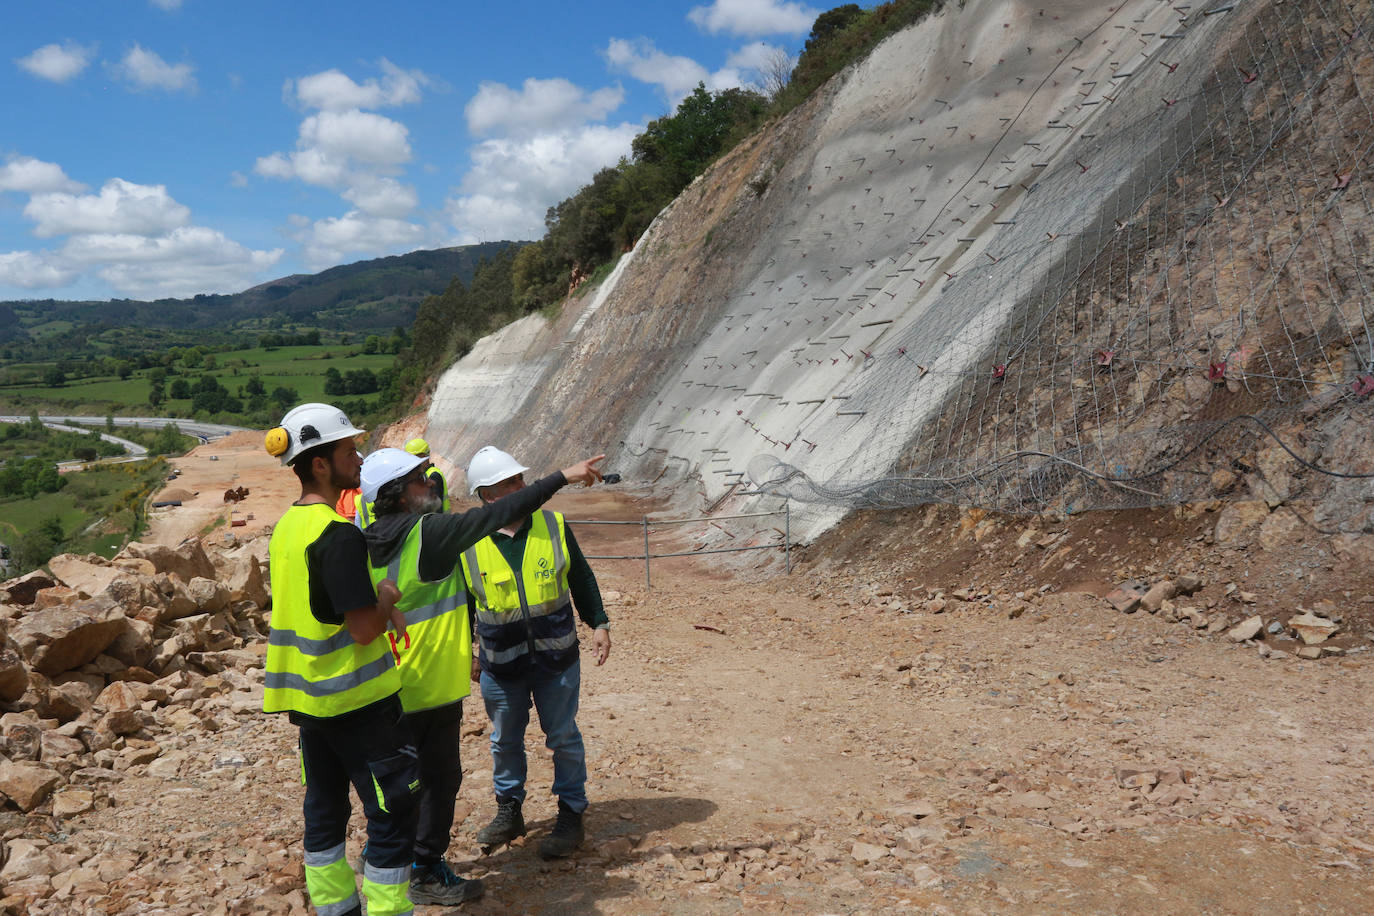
508	824
566	836
438	884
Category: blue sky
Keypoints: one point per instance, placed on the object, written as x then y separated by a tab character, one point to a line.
172	147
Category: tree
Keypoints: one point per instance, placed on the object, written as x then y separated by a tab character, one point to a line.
54	377
776	71
334	382
285	397
38	545
157	396
181	389
167	441
832	21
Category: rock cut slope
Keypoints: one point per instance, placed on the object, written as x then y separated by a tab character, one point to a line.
1018	250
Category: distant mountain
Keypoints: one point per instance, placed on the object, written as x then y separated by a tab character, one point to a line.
375	295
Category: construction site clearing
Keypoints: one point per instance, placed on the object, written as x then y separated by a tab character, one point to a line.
938	710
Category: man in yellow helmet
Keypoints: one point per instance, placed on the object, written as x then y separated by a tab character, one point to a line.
329	671
420	448
413	544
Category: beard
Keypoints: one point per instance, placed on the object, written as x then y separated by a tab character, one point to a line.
341	480
431	503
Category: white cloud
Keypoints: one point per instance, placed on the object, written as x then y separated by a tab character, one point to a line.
753	56
382	197
331	241
34	176
360	135
185	261
539	105
754	17
333	90
120	207
513	181
675	75
144	69
58	62
28	270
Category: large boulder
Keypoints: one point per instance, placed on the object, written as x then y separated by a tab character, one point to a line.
26	784
208	594
23	589
176	596
243	577
61	639
14	676
187	560
133	647
88	574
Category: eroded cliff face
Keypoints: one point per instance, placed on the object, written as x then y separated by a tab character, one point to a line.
1016	252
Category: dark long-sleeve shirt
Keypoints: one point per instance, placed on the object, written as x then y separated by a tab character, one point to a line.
444	537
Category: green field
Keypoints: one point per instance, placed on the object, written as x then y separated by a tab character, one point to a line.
98	511
302	368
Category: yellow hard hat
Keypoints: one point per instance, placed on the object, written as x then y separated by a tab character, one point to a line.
417	446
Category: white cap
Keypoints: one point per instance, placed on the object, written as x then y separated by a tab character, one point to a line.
384	466
490	466
305	427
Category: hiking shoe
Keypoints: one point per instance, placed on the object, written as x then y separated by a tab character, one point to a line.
438	884
508	824
566	836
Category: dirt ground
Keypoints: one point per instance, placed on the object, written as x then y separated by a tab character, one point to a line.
825	743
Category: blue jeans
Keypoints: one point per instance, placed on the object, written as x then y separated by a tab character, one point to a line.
554	697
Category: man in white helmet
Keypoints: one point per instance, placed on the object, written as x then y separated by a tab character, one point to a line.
329	671
524	583
412	542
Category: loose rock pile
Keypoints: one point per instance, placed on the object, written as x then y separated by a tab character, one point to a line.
104	663
1304	633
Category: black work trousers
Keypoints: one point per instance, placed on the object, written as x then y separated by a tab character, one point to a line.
436	734
373	749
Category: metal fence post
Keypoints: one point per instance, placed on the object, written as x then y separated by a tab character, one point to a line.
647	585
787	534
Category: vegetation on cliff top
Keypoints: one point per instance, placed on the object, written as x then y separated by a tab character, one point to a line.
590	229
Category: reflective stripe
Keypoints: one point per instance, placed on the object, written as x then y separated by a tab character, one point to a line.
477	581
387	890
286	680
540	645
338	909
430	611
340	640
497	618
378	875
559	561
330	881
323	857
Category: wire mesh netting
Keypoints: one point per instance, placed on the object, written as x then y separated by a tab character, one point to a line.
1215	310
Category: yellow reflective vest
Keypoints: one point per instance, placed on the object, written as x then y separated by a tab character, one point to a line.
435	473
435	656
315	668
363	515
524	621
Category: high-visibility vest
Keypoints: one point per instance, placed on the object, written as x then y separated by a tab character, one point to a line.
524	621
364	515
315	668
434	473
435	656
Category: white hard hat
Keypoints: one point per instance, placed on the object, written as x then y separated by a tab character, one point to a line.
305	427
384	466
491	465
